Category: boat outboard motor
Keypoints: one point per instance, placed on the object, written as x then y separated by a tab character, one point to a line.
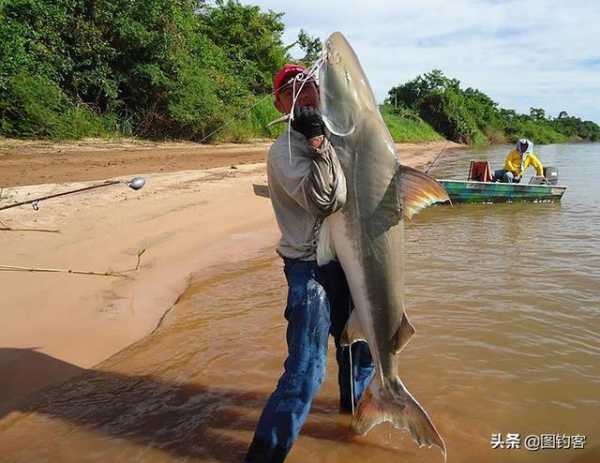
551	175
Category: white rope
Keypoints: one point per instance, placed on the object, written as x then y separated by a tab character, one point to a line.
303	78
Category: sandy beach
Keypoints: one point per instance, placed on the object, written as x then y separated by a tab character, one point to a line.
197	210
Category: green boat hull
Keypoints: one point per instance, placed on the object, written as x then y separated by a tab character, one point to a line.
491	192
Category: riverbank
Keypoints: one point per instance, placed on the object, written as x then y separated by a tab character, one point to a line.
39	162
187	218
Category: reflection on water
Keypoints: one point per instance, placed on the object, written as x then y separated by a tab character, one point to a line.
506	302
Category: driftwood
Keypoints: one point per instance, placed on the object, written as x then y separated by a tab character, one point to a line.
45	230
121	274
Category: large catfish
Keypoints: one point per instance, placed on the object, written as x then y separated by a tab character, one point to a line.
367	236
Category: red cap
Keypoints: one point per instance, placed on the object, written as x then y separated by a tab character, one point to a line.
287	71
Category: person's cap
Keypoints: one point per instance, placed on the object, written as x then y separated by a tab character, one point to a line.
286	72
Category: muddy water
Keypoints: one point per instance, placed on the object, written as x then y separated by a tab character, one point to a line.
506	302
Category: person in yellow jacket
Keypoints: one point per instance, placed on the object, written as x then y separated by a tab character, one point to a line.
517	162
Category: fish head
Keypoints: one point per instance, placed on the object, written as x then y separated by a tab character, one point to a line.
345	93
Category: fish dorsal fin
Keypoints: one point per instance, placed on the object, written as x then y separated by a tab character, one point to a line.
353	331
403	334
419	190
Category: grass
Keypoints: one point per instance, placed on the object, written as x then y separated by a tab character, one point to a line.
253	124
404	129
64	121
408	128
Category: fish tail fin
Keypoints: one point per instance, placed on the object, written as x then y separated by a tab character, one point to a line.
397	406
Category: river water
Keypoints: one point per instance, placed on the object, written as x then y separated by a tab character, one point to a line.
506	303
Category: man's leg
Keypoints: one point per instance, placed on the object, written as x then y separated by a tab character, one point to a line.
500	175
362	372
334	281
308	318
508	177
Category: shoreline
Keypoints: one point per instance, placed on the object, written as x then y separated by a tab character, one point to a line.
26	163
188	221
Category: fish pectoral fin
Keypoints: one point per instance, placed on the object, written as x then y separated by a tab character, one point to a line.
419	190
396	405
403	334
353	331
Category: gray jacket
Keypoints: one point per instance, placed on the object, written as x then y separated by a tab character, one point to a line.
305	188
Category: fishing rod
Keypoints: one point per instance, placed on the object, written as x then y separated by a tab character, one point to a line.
135	183
437	158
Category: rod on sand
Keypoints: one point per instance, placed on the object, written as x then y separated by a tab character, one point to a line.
135	183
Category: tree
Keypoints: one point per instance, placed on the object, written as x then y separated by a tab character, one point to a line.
312	47
251	39
161	67
537	113
411	93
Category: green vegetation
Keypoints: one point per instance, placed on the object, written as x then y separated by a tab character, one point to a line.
150	68
470	116
252	124
406	126
185	68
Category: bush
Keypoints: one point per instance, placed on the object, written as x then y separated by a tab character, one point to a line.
406	126
540	132
470	116
249	124
447	113
35	107
32	106
153	68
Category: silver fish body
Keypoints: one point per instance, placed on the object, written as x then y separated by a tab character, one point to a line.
367	237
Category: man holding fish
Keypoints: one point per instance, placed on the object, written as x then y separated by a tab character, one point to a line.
306	184
340	211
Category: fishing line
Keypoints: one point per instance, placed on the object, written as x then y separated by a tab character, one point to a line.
350	307
243	112
433	163
302	77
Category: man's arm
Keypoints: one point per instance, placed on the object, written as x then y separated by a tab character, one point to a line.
315	181
327	180
536	163
512	162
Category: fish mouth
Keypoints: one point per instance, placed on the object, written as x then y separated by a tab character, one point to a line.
333	46
332	56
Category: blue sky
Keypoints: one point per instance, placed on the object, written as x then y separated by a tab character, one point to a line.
521	53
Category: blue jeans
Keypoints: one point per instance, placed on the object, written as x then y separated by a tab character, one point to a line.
506	176
318	304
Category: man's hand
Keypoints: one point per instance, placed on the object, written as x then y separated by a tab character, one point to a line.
316	142
308	122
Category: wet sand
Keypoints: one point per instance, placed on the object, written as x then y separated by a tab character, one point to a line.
187	221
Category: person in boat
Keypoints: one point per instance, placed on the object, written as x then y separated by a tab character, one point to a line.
517	161
306	184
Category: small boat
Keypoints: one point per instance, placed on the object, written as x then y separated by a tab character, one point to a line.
480	189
